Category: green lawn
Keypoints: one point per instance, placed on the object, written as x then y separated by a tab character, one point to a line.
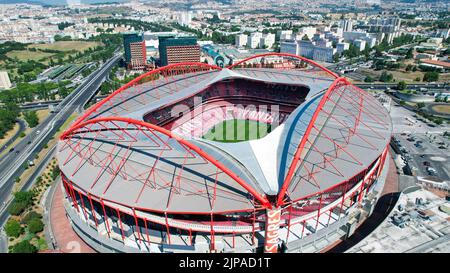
237	130
67	45
25	55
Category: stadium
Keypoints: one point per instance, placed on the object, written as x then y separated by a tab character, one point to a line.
274	153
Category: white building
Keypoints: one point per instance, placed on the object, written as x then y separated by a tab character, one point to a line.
267	40
369	39
254	40
306	49
308	31
323	54
347	25
5	83
185	18
290	47
241	40
284	34
360	44
324	43
443	33
152	38
341	47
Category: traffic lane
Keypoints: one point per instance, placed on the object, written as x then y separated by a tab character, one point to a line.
68	107
18	149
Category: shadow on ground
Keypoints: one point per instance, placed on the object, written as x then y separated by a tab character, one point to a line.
382	209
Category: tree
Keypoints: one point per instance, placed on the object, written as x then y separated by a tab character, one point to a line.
22	200
16	208
35	225
386	77
401	85
24	247
420	105
24	196
30	216
336	57
438	120
431	76
409	53
31	118
369	79
13	228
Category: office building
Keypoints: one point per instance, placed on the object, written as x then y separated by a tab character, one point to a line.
135	50
178	49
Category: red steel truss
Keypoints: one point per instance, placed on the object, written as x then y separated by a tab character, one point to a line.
140	128
284	65
297	211
361	102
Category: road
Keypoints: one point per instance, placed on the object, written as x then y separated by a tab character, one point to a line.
22	127
12	164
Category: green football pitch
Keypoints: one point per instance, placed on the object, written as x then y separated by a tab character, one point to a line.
237	130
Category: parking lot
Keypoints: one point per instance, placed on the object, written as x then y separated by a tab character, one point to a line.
423	146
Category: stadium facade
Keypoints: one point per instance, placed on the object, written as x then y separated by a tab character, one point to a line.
139	177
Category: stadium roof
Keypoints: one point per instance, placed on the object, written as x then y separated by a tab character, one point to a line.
111	153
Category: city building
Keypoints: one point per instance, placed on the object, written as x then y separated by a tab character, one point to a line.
5	83
185	18
254	40
135	51
289	46
443	33
321	50
306	49
142	178
308	31
267	40
284	34
341	47
178	49
347	25
359	44
152	38
214	56
324	54
241	40
370	39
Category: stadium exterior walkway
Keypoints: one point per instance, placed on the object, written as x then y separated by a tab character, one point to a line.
66	239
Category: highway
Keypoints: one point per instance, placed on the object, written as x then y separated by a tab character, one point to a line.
12	164
22	127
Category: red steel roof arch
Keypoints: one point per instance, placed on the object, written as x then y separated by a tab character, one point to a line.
300	147
315	64
136	80
262	199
